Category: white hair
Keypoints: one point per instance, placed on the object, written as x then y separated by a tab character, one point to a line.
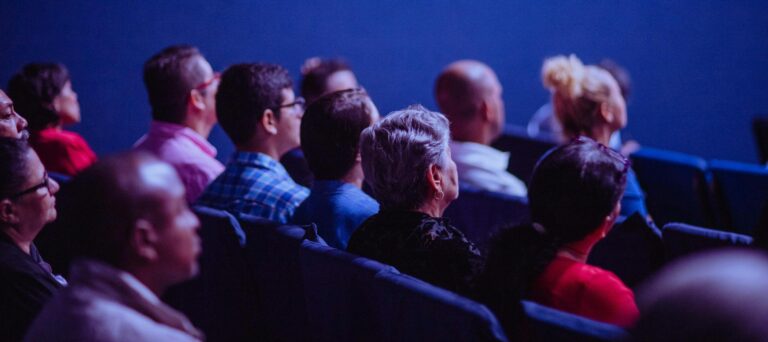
397	151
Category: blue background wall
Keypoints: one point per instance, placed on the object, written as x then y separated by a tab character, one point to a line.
699	67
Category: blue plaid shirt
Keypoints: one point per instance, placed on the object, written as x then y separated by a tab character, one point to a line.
255	184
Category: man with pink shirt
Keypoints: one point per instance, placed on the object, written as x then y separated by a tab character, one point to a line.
182	93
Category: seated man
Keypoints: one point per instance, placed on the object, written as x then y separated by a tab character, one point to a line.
330	135
182	87
259	112
469	94
137	239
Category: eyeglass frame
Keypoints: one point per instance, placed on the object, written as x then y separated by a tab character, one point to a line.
205	84
45	183
297	101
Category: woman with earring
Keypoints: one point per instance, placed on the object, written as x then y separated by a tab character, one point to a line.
407	162
574	199
43	95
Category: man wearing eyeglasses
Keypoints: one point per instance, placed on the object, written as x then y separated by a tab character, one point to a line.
182	87
257	108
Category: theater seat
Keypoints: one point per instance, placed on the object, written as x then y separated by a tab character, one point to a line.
408	309
633	250
548	324
681	239
479	214
741	189
337	289
524	151
221	300
675	185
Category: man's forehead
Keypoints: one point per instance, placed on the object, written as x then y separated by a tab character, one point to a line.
4	99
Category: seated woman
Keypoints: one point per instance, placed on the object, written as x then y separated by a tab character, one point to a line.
587	101
26	205
407	162
42	93
574	200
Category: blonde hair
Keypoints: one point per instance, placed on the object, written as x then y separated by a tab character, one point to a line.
578	90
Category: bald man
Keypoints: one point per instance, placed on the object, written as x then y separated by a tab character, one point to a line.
12	125
135	237
469	94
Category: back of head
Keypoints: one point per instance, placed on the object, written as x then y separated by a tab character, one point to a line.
330	131
459	89
397	151
14	168
245	92
713	296
33	90
578	90
573	189
169	76
105	201
316	73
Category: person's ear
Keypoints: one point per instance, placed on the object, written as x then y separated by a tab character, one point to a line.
486	110
143	239
56	104
269	121
435	180
196	99
607	111
8	212
609	220
358	158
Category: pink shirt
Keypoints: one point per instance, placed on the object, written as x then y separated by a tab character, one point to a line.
191	155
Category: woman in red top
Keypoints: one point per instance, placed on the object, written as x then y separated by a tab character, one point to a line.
574	197
42	93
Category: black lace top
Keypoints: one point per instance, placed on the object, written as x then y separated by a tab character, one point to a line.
417	244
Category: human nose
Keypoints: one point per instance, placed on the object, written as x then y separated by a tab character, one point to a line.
53	186
21	122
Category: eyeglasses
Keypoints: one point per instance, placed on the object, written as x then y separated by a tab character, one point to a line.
608	151
44	184
202	86
299	101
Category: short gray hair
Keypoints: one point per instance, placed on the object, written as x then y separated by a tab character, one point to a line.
397	151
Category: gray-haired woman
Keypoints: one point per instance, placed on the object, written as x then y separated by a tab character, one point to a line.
407	163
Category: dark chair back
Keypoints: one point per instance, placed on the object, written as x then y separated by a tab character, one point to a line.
479	214
675	185
524	151
760	129
682	239
740	191
548	324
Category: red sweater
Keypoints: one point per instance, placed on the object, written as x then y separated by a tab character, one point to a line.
585	290
62	151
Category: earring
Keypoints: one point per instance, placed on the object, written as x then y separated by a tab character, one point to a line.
439	195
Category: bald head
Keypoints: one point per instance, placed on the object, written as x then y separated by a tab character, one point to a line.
468	91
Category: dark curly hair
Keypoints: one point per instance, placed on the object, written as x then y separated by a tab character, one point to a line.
13	169
573	188
33	90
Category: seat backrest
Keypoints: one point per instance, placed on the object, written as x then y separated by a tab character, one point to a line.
408	309
760	129
220	300
337	288
675	185
682	239
272	254
632	250
741	189
524	151
479	214
548	324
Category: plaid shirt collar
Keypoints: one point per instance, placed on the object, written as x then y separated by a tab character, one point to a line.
258	160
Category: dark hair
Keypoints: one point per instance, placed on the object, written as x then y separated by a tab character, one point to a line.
245	92
315	77
33	90
113	195
169	76
13	168
330	132
573	188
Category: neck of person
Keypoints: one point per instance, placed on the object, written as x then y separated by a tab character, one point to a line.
265	146
602	134
355	176
579	250
149	279
432	207
199	126
21	240
471	131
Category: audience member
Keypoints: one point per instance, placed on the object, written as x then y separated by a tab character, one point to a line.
588	102
574	200
259	112
137	239
713	296
27	203
42	92
182	87
320	77
330	138
406	160
12	125
469	94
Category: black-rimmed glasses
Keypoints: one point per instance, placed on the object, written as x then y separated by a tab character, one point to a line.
44	184
299	101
